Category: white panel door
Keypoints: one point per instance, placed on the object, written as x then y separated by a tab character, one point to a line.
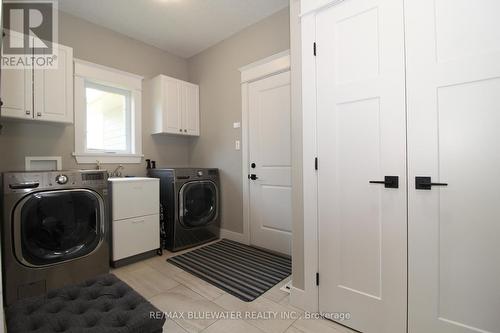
16	86
53	89
361	138
173	108
270	153
190	113
453	52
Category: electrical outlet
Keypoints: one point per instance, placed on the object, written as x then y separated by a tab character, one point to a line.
237	125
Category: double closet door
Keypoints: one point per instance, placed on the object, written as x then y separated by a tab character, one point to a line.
408	95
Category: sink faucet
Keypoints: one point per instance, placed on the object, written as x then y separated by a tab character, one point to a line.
98	165
117	172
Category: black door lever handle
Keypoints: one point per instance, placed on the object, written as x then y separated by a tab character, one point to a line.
253	177
389	182
425	183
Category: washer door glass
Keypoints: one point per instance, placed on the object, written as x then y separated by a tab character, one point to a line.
59	225
198	203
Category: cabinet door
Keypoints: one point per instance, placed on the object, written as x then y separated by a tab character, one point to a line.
17	92
132	198
135	236
191	110
172	112
53	89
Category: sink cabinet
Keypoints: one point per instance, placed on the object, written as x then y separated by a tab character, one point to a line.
135	219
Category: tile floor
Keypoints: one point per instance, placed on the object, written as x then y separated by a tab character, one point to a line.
171	289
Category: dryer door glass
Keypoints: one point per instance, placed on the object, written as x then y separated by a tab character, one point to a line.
57	226
198	204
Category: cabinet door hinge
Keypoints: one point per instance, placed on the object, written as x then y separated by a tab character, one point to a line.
315	163
317	279
314	48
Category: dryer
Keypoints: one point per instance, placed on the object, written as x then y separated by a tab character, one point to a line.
54	230
189	206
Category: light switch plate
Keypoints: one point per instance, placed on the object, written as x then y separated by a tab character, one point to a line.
237	125
237	145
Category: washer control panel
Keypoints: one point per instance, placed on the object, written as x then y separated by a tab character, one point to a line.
29	181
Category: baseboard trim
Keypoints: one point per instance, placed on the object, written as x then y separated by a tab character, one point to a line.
234	236
134	258
302	300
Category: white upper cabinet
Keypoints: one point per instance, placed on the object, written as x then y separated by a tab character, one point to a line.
171	106
190	109
38	93
17	93
53	89
175	106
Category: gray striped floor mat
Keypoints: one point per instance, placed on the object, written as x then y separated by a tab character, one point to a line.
243	271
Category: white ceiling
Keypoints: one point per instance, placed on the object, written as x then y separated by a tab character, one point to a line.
181	27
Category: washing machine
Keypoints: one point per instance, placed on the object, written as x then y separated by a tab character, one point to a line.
54	230
189	206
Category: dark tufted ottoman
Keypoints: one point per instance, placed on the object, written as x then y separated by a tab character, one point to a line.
103	304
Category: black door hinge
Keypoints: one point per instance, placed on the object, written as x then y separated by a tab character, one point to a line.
315	163
317	279
314	48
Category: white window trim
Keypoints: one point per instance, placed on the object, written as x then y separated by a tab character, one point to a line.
87	71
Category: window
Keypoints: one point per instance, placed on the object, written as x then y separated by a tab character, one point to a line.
108	119
107	115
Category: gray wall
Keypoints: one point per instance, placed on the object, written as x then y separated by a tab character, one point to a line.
216	71
96	44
